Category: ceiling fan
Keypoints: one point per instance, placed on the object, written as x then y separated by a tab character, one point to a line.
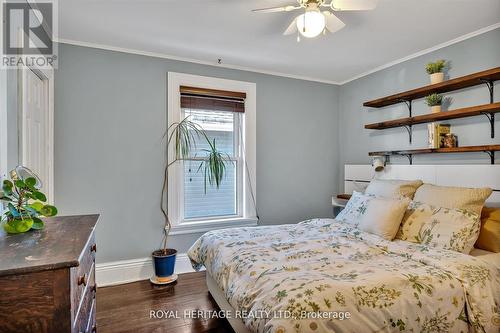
314	21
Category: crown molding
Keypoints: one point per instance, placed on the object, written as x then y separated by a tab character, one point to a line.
267	72
191	60
423	52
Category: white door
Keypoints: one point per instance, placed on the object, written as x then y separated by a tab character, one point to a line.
37	126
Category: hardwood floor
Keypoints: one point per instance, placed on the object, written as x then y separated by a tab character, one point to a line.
126	308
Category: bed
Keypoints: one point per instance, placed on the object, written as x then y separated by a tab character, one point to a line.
323	275
282	275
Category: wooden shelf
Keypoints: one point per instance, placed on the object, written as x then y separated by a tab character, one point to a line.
344	196
490	149
488	76
432	117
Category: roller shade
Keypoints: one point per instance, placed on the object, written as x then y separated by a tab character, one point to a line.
211	99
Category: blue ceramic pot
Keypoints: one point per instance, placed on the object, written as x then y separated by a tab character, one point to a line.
164	263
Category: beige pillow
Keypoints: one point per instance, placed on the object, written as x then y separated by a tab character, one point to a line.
391	188
489	236
447	228
471	199
383	216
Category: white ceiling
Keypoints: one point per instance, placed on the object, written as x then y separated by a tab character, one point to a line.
205	30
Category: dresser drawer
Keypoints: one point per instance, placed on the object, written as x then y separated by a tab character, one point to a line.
82	277
84	313
91	326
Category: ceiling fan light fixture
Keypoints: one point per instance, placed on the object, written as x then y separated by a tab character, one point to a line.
311	23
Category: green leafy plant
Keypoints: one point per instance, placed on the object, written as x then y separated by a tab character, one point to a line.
25	204
435	67
181	141
434	99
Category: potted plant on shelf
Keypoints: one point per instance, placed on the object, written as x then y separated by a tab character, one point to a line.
25	203
181	140
436	71
434	101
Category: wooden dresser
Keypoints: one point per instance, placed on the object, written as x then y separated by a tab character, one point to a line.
47	277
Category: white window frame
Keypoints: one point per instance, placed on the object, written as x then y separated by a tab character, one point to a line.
247	214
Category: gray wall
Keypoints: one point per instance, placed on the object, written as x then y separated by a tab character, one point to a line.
110	114
469	56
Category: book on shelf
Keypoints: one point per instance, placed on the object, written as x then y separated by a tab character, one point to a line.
436	134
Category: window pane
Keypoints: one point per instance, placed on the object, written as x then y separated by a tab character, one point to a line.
218	125
216	202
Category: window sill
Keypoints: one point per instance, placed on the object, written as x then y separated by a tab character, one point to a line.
204	226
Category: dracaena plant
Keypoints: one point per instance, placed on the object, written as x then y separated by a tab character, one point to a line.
181	140
25	204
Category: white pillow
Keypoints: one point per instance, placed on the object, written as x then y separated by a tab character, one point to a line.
383	216
392	188
377	215
451	229
471	199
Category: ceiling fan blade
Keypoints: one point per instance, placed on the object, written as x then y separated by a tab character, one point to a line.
354	4
292	28
276	9
333	23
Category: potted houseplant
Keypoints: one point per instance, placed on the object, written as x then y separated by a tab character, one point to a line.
181	140
25	203
435	70
434	101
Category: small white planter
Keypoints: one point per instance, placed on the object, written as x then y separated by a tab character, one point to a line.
436	109
437	78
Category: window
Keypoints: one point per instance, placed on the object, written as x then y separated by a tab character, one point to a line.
222	126
225	109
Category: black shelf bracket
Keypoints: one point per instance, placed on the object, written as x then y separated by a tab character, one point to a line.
491	116
409	156
408	127
492	155
408	104
491	119
410	130
489	84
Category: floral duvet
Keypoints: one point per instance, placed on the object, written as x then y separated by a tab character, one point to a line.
304	276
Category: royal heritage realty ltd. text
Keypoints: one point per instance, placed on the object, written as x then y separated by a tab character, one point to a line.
259	314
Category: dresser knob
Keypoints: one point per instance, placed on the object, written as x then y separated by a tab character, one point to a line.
82	280
93	248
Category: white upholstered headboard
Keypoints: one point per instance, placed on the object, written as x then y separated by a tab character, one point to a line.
357	177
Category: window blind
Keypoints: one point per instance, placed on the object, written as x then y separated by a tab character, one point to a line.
212	99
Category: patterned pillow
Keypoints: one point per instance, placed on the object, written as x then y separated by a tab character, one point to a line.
354	209
451	229
471	199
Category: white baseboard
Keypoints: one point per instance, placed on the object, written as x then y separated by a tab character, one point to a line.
125	271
